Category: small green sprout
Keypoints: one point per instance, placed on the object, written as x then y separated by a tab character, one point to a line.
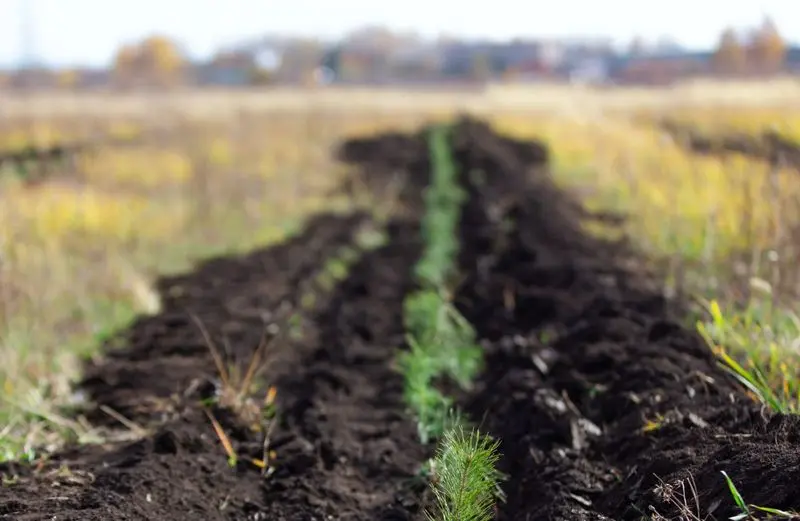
748	511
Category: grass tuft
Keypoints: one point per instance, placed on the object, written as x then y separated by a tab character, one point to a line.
758	346
753	512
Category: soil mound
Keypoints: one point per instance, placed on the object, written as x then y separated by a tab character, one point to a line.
236	299
347	447
393	158
606	405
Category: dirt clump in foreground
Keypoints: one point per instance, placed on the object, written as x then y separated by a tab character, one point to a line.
606	406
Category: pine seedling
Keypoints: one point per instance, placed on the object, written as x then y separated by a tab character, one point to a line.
466	483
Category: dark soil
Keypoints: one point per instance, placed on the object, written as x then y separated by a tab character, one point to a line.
582	353
344	446
394	159
235	299
352	452
769	146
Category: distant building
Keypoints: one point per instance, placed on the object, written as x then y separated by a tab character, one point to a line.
238	67
662	69
589	71
793	59
227	68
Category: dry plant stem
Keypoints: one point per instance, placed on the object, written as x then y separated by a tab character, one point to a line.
134	427
215	353
677	496
253	366
265	453
775	264
223	437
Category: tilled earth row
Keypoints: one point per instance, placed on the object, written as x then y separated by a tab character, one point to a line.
605	405
156	377
769	146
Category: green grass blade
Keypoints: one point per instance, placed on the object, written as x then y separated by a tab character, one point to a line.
737	497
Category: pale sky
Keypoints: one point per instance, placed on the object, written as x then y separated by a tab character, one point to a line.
68	32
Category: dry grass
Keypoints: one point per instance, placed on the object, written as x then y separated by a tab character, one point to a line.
222	172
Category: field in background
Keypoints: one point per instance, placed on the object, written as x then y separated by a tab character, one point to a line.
218	172
575	100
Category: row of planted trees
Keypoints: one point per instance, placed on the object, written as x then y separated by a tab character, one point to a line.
465	482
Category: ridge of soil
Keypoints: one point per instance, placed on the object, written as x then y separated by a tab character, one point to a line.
235	298
390	159
345	447
582	352
180	471
767	145
352	452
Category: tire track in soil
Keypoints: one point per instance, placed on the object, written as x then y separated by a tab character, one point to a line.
180	471
581	351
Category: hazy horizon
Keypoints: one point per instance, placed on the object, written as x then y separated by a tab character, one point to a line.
87	32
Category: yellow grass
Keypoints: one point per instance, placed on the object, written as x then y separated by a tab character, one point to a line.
704	208
53	212
221	172
751	120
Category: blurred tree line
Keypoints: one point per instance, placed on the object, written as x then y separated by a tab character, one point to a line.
762	51
159	62
375	54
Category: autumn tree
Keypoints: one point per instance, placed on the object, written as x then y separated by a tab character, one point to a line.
767	49
379	45
730	56
125	66
156	61
162	60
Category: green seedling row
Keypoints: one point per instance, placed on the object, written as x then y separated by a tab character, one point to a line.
443	199
442	344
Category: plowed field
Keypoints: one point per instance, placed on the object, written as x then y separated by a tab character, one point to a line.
605	405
